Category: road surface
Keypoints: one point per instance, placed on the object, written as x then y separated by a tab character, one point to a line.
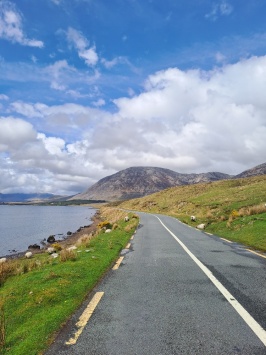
178	290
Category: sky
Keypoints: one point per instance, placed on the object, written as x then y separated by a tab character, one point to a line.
92	87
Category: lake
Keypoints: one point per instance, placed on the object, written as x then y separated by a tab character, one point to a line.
23	225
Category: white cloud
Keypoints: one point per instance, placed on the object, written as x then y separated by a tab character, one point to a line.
99	103
76	39
11	26
188	121
14	133
58	71
4	97
221	8
26	109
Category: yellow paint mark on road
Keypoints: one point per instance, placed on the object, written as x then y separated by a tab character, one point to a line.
228	241
117	264
263	256
84	318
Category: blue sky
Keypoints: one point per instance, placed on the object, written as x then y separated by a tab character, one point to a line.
88	88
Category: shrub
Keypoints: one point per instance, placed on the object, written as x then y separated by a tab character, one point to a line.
105	224
56	246
66	255
115	226
256	210
85	240
234	214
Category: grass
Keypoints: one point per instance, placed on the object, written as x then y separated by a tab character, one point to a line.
43	292
234	209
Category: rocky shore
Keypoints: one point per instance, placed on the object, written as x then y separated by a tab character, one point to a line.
67	241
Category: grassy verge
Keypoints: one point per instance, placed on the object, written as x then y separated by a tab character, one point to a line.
35	302
234	209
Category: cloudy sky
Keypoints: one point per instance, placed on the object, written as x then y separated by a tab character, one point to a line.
91	87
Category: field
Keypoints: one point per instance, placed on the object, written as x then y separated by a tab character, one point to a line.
39	294
234	209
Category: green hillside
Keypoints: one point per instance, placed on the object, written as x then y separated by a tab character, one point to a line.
234	209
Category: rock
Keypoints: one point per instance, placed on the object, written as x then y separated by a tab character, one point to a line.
34	246
50	250
108	230
3	260
54	255
201	226
193	218
69	233
51	239
73	247
28	255
126	219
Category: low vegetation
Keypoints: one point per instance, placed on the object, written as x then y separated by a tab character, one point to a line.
38	295
234	209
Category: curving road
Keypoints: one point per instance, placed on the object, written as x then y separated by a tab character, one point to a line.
177	291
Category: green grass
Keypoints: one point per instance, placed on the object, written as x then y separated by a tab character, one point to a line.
219	204
38	302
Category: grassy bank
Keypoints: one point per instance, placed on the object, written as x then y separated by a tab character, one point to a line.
234	209
44	291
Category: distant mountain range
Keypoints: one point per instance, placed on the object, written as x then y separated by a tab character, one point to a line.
23	198
132	183
141	181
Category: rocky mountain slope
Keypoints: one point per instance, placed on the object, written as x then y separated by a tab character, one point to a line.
141	181
257	170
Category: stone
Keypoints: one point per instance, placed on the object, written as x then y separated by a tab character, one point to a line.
34	246
201	226
28	255
51	239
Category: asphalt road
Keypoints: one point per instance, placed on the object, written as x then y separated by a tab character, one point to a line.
163	299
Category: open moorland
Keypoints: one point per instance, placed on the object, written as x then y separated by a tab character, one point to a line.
234	209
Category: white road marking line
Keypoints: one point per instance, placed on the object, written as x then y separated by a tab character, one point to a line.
117	264
84	318
254	325
252	251
208	233
128	246
228	241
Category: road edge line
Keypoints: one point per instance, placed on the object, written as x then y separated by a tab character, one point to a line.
250	321
84	318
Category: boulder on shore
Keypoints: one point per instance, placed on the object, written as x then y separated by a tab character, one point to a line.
51	239
34	246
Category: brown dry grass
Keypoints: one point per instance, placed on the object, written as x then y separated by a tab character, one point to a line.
66	255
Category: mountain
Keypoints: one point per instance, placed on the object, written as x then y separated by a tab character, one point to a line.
257	170
17	197
141	181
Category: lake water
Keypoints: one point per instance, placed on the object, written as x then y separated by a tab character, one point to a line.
23	225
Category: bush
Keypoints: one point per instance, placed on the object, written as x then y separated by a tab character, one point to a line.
105	224
66	255
57	246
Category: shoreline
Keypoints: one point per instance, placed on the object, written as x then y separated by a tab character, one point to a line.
67	241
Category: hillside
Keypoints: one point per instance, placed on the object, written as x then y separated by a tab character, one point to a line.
141	181
232	208
25	198
257	170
